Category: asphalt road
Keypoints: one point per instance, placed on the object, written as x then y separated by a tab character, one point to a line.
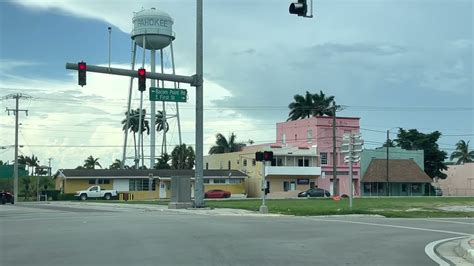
89	235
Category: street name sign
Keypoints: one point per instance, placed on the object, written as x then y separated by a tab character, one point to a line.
168	95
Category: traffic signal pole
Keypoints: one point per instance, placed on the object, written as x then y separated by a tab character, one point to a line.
199	171
264	208
193	80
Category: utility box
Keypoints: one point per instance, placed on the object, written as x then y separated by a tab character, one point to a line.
180	193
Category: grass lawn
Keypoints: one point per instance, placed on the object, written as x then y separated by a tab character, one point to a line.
407	207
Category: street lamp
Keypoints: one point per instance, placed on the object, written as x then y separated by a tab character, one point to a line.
387	144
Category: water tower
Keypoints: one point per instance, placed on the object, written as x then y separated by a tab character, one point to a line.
152	31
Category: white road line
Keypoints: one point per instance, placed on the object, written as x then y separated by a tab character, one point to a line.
447	221
430	250
394	226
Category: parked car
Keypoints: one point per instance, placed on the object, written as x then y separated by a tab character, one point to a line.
7	197
96	192
217	193
314	192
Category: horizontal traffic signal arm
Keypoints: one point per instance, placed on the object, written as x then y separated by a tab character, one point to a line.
193	80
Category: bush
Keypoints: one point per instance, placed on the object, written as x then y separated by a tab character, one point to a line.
66	196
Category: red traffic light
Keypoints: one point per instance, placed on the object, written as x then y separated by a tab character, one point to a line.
82	66
141	72
267	155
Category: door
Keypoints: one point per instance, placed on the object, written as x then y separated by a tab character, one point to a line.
162	190
93	192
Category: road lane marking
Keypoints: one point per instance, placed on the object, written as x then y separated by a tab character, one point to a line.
447	221
430	250
394	226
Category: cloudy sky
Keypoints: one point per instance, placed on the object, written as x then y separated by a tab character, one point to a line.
392	63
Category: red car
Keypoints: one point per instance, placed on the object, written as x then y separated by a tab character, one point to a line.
217	193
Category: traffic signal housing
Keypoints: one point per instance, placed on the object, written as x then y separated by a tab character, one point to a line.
264	156
268	156
141	79
299	8
81	72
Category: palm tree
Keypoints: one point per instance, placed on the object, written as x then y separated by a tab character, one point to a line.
116	164
223	145
91	162
310	105
462	153
32	163
301	107
162	162
22	160
182	157
161	124
321	104
133	126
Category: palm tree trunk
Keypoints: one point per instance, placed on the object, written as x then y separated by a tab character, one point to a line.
135	148
143	154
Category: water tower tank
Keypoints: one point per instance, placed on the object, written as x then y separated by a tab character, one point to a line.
155	25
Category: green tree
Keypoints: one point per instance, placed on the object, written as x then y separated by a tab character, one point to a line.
310	105
27	188
116	164
91	163
434	157
224	145
32	163
322	104
162	162
182	157
161	124
462	154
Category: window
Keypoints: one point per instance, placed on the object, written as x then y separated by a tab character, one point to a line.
245	162
367	188
141	184
235	181
229	164
104	181
91	181
303	162
237	161
309	135
286	185
206	181
93	189
292	185
207	166
404	187
283	138
324	158
219	181
254	162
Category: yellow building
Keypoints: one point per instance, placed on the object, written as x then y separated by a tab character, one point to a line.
293	169
147	184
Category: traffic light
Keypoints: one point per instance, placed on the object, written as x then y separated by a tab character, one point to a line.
142	79
81	71
264	156
299	8
268	156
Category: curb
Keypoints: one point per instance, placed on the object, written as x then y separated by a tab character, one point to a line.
465	250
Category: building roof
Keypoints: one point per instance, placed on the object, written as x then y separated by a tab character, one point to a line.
144	172
400	171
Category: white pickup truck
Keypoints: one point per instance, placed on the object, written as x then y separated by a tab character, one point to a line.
96	192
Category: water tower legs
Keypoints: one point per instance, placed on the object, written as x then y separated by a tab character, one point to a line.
132	67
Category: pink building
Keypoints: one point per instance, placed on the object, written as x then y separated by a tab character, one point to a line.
317	131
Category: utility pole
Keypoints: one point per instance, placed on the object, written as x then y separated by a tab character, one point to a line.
388	182
199	172
335	182
16	111
352	146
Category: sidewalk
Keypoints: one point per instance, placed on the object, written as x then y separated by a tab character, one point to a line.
457	251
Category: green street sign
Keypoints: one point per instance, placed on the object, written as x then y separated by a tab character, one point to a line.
168	95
